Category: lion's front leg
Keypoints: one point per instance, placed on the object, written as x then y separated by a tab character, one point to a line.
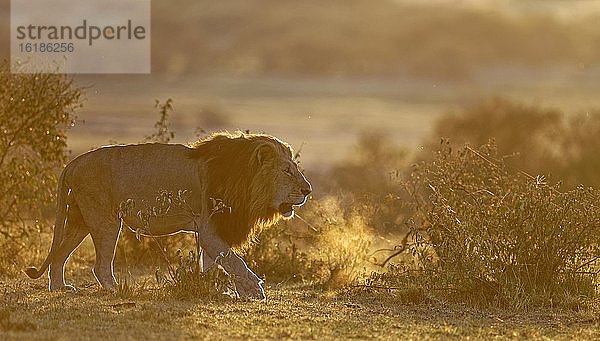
247	283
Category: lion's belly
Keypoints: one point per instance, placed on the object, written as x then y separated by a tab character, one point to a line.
159	226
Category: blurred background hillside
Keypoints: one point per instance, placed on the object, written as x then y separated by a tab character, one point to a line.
320	73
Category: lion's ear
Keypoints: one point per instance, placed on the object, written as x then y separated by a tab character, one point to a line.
263	153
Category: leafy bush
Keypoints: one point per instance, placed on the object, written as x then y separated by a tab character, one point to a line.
35	111
489	234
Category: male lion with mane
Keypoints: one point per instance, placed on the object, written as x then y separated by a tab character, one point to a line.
254	174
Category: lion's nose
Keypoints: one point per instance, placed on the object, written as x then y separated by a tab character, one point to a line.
306	191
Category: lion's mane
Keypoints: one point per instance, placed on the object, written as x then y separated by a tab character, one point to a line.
237	177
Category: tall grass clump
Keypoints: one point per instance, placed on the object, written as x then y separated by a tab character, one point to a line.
186	280
487	233
35	112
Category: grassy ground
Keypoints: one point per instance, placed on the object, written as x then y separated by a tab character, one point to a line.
28	311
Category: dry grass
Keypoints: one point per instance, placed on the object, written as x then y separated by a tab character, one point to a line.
30	312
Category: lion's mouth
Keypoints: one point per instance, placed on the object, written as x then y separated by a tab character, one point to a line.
286	209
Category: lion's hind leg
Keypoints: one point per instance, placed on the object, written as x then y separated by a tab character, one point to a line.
104	229
105	243
74	233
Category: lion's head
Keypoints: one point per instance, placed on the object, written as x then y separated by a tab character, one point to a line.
256	176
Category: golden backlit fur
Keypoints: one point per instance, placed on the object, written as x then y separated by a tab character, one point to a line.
241	171
255	175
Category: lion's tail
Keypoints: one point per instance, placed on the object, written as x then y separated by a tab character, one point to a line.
59	227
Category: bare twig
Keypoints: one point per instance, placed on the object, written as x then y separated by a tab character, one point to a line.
306	222
495	165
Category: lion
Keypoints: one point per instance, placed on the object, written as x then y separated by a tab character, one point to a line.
253	174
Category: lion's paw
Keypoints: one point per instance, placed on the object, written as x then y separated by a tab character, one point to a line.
248	289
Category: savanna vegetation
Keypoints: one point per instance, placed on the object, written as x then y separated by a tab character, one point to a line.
35	111
494	231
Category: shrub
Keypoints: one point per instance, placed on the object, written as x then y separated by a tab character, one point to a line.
163	133
491	235
370	166
35	111
579	150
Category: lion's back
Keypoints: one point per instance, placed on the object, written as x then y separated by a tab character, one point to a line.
134	171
